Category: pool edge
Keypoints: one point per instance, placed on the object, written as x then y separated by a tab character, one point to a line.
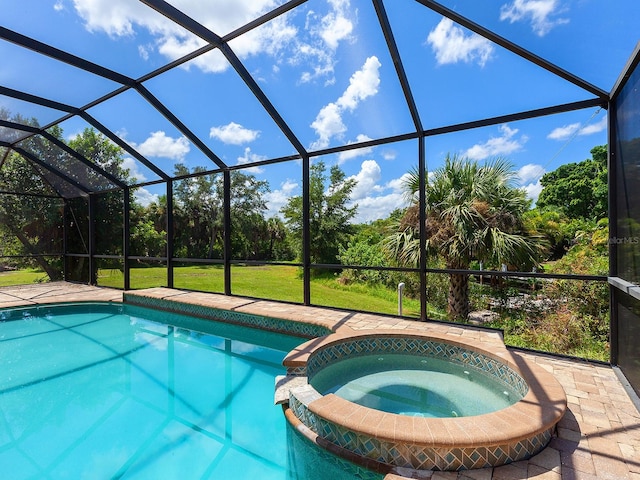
515	433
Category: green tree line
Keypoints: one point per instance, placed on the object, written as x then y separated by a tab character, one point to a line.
477	216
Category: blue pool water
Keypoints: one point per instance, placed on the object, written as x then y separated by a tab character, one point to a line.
109	391
414	385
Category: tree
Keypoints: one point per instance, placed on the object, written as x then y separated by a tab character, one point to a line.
199	214
248	225
578	189
31	225
148	228
552	227
109	210
329	214
34	220
278	247
473	212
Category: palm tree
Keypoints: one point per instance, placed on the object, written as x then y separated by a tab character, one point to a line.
473	212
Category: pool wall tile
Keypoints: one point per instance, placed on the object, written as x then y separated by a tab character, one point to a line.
290	327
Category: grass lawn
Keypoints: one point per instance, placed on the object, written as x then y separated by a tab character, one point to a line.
282	283
22	277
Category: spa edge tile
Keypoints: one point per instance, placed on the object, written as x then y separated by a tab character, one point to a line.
385	427
422	430
440	432
355	418
403	429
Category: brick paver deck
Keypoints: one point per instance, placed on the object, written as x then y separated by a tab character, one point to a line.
598	438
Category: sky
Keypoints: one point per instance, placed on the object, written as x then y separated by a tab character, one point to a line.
326	69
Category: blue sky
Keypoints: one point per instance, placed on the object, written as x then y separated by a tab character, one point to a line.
326	68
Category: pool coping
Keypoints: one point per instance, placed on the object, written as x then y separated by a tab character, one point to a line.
511	434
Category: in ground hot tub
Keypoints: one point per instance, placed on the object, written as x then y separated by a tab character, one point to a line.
423	402
419	385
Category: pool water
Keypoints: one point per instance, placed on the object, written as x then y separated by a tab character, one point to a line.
114	391
414	385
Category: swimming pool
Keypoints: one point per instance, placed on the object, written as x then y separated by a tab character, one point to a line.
118	391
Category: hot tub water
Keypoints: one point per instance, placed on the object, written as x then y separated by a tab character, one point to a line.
413	385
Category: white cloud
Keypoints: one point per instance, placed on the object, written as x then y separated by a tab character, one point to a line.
161	145
568	131
564	132
143	51
543	14
595	128
120	18
389	155
279	38
144	197
399	184
451	45
234	134
497	146
366	180
375	208
530	172
58	6
271	38
382	199
116	17
130	164
533	190
321	58
529	176
324	34
250	157
336	26
328	124
358	152
362	84
277	199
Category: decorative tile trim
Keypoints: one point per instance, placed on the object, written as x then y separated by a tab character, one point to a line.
359	473
414	456
290	327
300	371
427	452
457	354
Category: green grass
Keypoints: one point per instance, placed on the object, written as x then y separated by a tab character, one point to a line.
358	296
22	277
284	283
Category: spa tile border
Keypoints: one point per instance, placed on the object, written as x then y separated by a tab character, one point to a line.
406	343
508	435
396	439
